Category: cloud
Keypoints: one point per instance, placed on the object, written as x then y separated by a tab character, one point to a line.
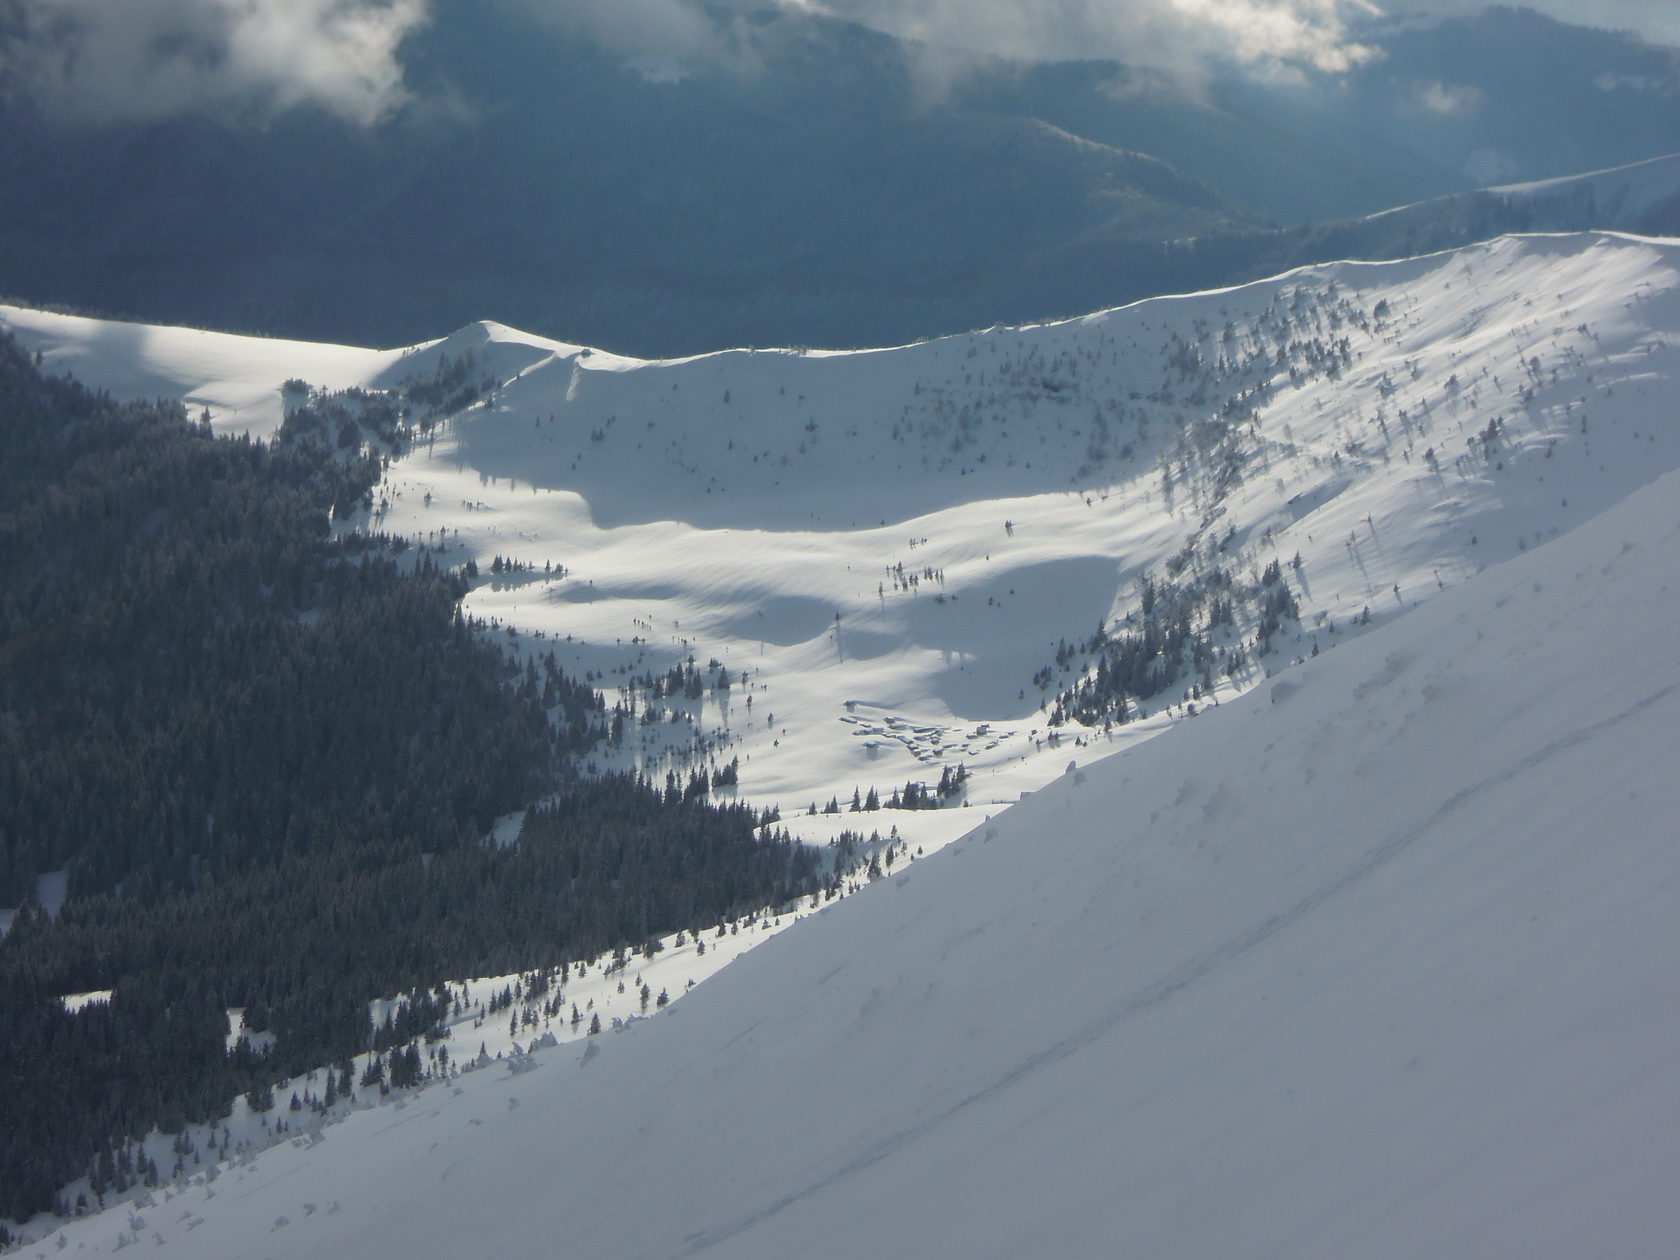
250	60
1450	100
1162	41
96	61
1169	35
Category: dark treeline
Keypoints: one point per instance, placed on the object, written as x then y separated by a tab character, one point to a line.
267	754
1185	628
196	675
302	944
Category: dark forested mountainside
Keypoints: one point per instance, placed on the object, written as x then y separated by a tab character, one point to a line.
303	944
267	753
197	675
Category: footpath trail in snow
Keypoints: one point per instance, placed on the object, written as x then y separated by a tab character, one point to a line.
1376	960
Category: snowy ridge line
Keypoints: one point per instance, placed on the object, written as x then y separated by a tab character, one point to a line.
1620	178
59	331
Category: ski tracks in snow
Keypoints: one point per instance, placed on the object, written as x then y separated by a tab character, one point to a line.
1183	977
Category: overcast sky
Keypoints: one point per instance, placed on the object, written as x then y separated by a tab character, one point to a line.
97	59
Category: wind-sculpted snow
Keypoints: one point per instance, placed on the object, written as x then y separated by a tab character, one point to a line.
1375	960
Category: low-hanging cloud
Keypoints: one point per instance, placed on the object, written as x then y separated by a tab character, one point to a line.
249	60
1175	38
102	60
1171	35
1162	41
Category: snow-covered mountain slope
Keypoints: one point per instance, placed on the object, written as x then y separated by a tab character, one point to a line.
1638	197
1625	196
892	548
237	379
1642	198
1376	960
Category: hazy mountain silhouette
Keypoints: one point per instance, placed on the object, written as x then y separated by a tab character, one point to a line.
817	193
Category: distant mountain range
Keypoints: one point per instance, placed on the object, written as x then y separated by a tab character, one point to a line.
1643	198
827	197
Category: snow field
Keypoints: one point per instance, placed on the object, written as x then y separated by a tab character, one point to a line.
1376	960
683	532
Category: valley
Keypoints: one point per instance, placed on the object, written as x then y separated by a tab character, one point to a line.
1352	937
869	567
